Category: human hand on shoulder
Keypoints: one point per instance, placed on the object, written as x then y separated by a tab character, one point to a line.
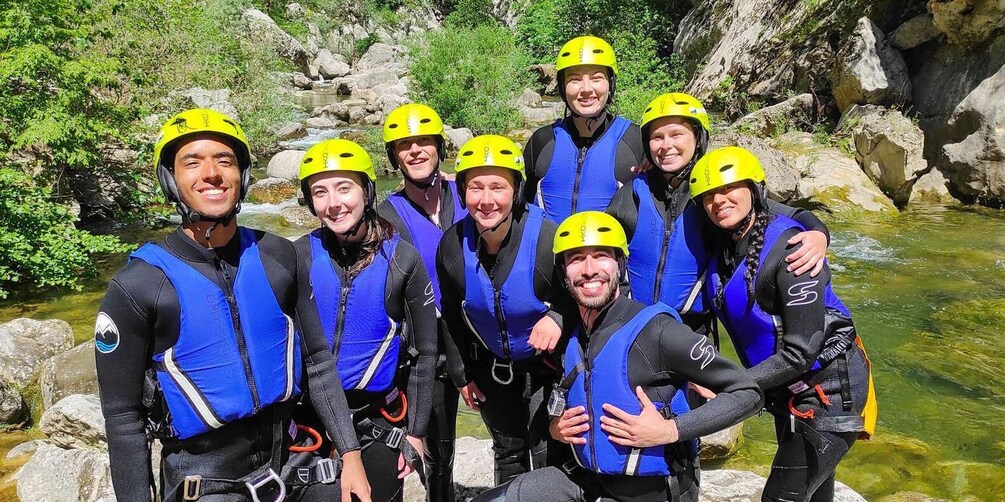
810	256
643	167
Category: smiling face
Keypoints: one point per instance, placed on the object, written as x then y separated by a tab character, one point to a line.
672	143
208	175
339	199
591	275
417	156
488	194
728	205
587	88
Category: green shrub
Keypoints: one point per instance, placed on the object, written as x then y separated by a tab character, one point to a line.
643	75
471	14
472	77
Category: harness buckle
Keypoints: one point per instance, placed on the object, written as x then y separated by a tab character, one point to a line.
394	437
191	489
508	365
327	471
268	486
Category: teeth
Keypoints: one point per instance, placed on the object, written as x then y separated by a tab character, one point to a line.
592	285
213	191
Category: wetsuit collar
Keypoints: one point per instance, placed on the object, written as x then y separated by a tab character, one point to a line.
446	203
612	313
188	249
581	141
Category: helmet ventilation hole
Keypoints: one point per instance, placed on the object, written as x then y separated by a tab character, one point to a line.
725	168
604	229
392	126
598	51
564	234
506	152
468	153
345	155
424	121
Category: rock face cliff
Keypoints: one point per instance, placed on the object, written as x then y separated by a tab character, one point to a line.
939	62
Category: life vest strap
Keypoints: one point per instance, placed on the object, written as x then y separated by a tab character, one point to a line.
261	485
394	438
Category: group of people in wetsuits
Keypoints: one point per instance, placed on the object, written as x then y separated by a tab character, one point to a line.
569	292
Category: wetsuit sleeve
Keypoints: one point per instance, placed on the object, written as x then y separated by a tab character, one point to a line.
323	383
807	219
625	209
629	154
548	284
531	156
669	349
800	301
450	272
121	374
420	319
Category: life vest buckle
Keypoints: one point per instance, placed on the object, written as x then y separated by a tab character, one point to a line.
498	364
268	485
191	488
327	471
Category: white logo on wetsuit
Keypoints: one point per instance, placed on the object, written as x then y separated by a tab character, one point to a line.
703	351
106	334
429	294
801	294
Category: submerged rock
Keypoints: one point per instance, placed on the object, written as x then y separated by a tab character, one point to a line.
72	372
25	343
299	217
57	475
272	191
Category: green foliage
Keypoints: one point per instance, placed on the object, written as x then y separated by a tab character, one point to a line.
471	14
643	75
472	77
39	244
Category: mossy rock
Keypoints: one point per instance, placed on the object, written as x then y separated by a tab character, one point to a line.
964	347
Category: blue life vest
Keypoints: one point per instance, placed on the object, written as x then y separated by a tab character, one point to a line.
237	352
667	264
365	341
503	319
755	332
604	379
425	235
573	184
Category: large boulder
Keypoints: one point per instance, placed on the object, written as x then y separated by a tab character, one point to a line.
914	32
291	130
216	99
974	158
25	343
869	71
272	191
381	55
71	372
57	475
298	217
727	485
931	188
968	23
834	182
547	78
372	78
888	146
331	65
457	137
285	164
12	406
263	27
75	422
721	445
797	112
783	177
538	115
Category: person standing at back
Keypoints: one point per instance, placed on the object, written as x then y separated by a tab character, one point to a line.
580	161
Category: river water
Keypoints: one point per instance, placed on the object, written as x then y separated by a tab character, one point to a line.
927	291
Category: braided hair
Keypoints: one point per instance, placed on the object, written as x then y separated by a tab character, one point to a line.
754	247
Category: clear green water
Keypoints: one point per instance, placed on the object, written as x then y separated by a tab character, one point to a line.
928	295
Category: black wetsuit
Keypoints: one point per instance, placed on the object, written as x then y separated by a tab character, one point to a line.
442	430
408	301
537	154
144	307
661	359
515	413
803	468
671	202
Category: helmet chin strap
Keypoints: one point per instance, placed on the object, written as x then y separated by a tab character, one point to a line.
188	214
423	185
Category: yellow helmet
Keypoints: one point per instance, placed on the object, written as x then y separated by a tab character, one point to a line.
336	155
590	228
490	150
676	104
586	50
410	120
188	123
723	166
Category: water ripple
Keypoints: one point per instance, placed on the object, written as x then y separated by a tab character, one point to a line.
862	247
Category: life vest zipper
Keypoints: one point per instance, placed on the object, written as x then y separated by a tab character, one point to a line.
340	319
580	159
500	319
591	439
235	318
664	245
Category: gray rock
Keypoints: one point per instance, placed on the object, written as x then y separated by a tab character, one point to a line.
727	485
372	78
72	372
931	188
25	343
272	191
836	183
356	114
975	161
520	134
721	445
312	73
457	137
291	130
794	113
783	177
914	32
546	78
381	55
323	123
529	98
968	23
295	10
373	119
12	407
331	65
285	164
540	115
75	422
472	471
299	217
338	111
57	475
888	146
300	81
388	102
353	102
869	71
25	448
263	27
216	99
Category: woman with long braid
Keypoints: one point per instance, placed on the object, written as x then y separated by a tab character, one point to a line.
792	333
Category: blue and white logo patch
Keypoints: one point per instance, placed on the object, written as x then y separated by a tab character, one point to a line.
106	334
